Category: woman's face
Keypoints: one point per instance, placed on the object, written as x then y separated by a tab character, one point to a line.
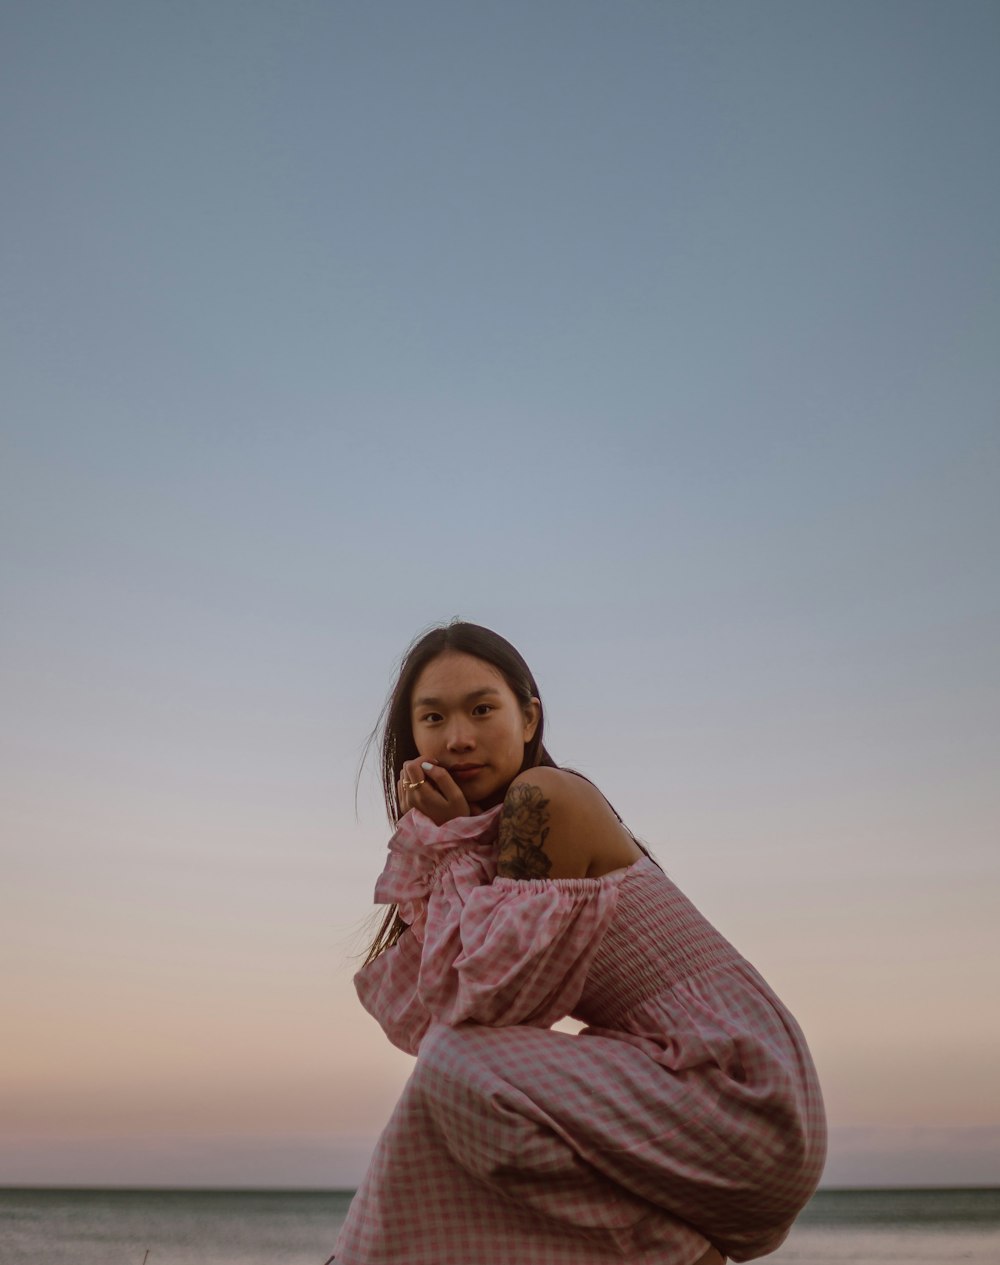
466	718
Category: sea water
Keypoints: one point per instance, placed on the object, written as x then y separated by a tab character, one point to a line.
882	1227
175	1227
182	1227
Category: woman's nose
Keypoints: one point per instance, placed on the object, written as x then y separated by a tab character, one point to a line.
460	738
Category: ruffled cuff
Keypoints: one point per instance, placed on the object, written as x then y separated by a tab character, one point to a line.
420	849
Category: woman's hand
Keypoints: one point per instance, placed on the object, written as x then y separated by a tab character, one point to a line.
436	793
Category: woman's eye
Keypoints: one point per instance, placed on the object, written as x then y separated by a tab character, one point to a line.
431	717
482	709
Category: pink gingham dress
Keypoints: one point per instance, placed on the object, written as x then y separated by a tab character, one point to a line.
686	1114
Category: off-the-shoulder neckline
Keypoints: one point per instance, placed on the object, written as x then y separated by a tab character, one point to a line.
624	869
584	883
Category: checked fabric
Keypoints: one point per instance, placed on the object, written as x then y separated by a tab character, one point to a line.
687	1113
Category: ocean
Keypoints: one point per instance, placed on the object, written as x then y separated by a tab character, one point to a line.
202	1227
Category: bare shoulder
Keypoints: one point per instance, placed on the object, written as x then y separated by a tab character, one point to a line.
555	824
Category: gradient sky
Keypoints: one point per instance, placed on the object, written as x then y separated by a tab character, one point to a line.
662	338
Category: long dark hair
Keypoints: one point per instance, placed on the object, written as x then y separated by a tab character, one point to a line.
394	731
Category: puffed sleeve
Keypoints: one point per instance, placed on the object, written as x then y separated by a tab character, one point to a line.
515	952
420	853
480	946
387	988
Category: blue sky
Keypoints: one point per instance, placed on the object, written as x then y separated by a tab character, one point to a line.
662	338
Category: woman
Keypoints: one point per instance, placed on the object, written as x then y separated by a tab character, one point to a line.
683	1125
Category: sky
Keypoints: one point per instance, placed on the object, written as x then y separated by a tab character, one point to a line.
661	338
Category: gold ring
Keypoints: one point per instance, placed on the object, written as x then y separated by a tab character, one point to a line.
409	786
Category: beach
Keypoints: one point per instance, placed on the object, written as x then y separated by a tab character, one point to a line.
209	1227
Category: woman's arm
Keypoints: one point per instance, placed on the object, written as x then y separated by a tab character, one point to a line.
556	824
510	926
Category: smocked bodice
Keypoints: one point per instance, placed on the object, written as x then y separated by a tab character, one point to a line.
656	939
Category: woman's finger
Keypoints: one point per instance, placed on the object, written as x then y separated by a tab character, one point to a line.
446	787
430	789
412	776
411	782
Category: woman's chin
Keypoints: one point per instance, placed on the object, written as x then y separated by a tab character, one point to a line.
491	799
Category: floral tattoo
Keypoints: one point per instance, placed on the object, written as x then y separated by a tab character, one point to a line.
523	831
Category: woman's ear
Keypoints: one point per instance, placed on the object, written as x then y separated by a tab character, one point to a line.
532	715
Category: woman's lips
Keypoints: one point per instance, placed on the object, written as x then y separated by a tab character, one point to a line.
463	775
